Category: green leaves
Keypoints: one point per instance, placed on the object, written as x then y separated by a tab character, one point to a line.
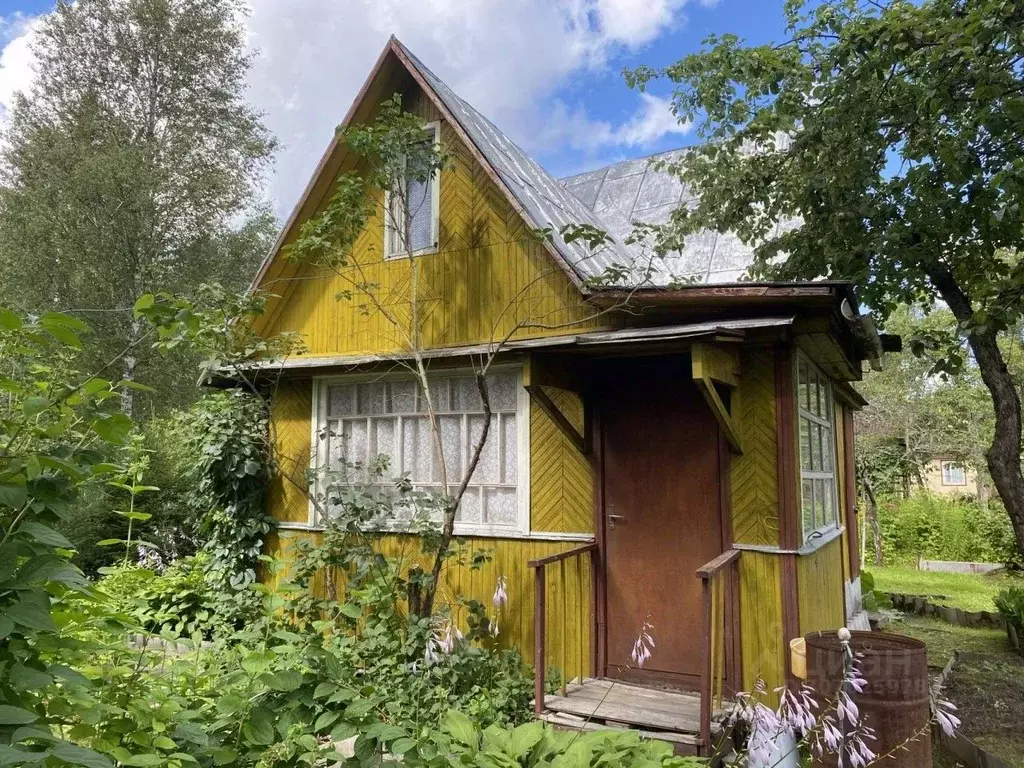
16	715
31	610
460	728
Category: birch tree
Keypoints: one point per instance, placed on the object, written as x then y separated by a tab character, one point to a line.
132	164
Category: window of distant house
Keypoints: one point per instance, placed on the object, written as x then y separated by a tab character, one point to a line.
411	216
816	420
953	473
364	423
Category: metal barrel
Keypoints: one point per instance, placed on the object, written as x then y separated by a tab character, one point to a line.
894	703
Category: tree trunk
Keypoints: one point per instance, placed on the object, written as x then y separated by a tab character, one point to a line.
872	515
1003	456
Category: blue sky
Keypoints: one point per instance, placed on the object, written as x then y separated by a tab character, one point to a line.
547	72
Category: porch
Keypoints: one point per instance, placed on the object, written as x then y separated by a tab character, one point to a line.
594	704
688	717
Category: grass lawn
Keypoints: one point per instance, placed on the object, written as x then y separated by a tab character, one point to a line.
987	685
967	591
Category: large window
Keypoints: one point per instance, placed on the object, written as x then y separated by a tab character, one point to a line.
421	198
363	419
816	418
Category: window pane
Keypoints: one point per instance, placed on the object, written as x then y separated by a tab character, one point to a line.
466	395
805	444
469	508
830	503
502	392
352	446
402	396
826	449
370	398
341	401
383	443
815	430
803	396
510	447
487	469
500	506
417	446
451	441
808	506
421	209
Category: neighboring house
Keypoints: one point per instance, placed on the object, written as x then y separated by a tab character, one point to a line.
948	476
708	427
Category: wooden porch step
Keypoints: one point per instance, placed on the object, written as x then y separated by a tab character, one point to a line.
625	705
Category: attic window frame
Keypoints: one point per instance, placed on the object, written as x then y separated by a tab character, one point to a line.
394	224
946	469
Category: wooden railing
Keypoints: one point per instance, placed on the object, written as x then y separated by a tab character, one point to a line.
719	602
540	661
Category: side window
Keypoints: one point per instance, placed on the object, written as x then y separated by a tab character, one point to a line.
816	423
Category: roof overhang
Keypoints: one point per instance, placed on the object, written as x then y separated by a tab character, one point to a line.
633	340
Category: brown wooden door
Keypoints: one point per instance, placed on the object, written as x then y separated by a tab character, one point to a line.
662	515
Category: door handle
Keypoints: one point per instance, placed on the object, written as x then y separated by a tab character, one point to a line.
613	518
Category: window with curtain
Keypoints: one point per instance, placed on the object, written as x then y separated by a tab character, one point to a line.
953	473
363	420
421	198
816	419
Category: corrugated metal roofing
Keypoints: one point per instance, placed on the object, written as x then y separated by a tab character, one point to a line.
611	199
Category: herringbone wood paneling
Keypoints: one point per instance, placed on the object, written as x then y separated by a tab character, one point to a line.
561	478
755	515
291	410
490	278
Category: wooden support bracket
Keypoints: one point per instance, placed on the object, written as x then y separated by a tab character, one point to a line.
582	442
713	365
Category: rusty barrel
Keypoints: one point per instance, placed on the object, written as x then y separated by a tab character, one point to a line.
895	701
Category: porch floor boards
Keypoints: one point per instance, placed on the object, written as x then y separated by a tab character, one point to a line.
667	715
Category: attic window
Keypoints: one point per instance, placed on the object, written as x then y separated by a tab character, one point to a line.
417	197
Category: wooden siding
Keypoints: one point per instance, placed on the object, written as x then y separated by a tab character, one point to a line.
290	435
568	602
754	476
820	581
561	478
491	277
761	635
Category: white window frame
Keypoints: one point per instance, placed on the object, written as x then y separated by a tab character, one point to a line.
943	463
820	533
319	458
392	226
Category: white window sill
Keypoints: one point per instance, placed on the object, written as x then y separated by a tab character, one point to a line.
820	539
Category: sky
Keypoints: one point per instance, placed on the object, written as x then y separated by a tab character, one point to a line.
547	72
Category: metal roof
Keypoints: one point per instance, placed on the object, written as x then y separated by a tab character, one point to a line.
610	199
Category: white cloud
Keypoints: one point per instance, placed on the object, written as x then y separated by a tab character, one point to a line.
575	129
508	58
16	58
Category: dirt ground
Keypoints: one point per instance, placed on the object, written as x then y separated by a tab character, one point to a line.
987	685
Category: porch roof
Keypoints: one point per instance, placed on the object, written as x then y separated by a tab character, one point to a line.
734	329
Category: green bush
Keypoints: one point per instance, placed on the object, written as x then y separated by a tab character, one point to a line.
1010	603
177	601
938	528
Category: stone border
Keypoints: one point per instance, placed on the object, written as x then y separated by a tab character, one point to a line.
922	607
962	747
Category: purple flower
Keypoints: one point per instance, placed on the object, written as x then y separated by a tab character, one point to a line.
944	716
500	594
643	646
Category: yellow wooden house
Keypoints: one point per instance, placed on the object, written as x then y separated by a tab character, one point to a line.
677	452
